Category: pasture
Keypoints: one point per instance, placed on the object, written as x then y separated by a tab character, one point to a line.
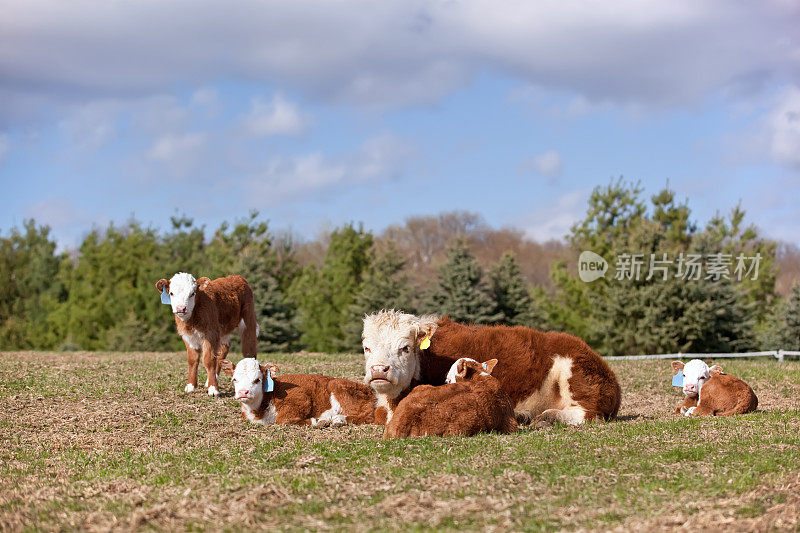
92	441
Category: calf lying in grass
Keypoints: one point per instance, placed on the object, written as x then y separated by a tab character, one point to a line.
302	399
711	392
470	402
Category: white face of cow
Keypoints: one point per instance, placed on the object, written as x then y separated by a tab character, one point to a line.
248	382
392	351
695	375
182	290
465	369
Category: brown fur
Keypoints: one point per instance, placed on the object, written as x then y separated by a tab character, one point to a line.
474	404
525	357
722	395
298	398
220	305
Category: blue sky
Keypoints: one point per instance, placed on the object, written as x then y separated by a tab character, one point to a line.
319	113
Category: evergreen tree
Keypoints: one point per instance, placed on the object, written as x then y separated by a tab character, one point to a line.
384	286
247	249
460	292
325	296
783	332
30	288
511	295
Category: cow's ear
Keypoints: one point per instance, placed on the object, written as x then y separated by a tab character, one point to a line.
227	367
427	326
462	368
160	284
677	365
715	370
269	367
202	282
489	365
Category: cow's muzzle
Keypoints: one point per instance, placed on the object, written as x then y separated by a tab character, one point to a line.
379	373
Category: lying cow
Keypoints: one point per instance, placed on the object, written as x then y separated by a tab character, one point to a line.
471	402
711	392
206	313
301	399
551	377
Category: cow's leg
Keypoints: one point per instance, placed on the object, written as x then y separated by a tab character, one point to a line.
224	347
700	410
574	415
687	404
193	357
210	362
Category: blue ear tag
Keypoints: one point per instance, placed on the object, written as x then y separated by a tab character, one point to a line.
485	366
269	385
165	297
677	379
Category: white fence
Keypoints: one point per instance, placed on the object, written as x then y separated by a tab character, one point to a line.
777	354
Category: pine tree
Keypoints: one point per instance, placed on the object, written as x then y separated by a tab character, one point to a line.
511	295
324	296
461	293
248	249
384	286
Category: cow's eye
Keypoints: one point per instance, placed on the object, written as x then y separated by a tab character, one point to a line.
367	350
235	380
405	349
172	294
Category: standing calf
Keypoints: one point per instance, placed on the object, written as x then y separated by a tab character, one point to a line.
711	392
469	403
206	313
302	399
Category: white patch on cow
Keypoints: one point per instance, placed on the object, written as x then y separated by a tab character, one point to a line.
193	339
695	374
189	388
392	339
546	398
381	400
332	417
182	288
573	415
212	391
451	374
268	418
690	411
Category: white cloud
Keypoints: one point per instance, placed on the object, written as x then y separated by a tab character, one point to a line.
4	145
288	178
555	221
171	147
276	117
546	164
205	96
400	52
783	125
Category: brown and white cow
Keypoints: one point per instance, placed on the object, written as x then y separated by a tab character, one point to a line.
711	392
471	402
299	399
549	376
206	313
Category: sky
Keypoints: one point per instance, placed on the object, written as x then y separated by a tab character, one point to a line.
318	113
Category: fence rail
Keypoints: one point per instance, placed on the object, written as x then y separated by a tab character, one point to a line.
777	354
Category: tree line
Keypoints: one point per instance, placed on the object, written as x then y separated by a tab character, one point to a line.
312	295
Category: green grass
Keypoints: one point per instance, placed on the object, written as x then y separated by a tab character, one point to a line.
110	440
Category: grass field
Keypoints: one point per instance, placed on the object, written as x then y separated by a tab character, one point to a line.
93	441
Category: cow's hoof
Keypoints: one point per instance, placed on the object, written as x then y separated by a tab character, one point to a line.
338	421
320	422
212	391
683	410
189	388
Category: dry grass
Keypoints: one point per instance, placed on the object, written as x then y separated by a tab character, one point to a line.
93	441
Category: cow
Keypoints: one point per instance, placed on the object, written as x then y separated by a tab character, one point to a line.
549	376
711	392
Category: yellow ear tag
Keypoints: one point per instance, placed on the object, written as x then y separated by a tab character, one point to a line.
426	342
